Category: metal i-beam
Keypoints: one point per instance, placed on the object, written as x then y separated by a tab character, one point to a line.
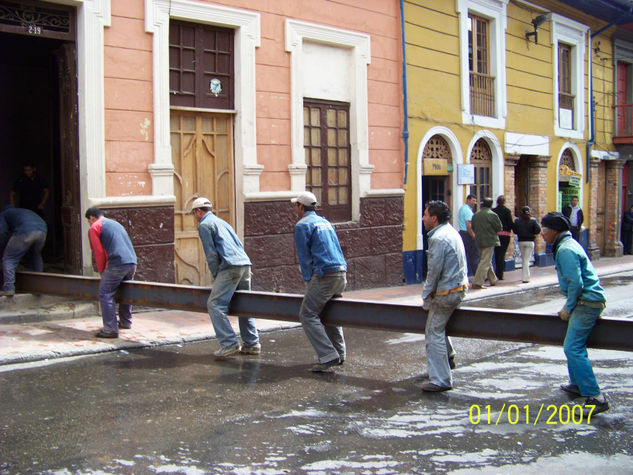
492	324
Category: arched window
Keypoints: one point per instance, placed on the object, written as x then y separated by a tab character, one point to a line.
481	157
437	147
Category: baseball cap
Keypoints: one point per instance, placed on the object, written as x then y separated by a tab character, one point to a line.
306	199
200	203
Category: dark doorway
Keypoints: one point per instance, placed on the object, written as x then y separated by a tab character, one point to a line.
521	185
33	118
433	188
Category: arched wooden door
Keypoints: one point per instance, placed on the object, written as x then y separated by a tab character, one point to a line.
202	154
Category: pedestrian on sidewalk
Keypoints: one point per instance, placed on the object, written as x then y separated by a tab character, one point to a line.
116	262
526	228
627	231
505	216
586	300
486	225
464	223
444	289
573	212
22	233
323	268
231	270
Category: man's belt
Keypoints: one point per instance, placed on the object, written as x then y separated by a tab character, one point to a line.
592	304
452	291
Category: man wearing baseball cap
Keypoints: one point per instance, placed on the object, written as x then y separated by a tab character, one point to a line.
324	269
231	270
586	301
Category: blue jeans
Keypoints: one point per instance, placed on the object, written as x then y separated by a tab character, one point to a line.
224	286
111	278
327	340
438	346
581	322
19	245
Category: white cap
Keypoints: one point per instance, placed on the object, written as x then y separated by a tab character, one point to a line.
306	199
200	203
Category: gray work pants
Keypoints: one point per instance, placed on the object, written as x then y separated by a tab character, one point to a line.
438	346
327	340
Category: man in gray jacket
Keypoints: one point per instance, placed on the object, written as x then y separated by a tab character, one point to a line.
444	289
486	225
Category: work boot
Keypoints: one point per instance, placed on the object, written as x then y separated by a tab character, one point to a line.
225	352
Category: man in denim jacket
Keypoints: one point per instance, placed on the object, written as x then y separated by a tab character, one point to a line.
231	270
324	269
585	302
444	289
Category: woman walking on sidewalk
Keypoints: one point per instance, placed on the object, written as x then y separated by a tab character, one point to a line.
526	228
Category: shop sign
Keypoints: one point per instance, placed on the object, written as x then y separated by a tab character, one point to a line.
435	166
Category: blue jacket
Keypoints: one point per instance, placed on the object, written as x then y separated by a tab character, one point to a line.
446	261
576	275
222	247
318	248
110	244
18	221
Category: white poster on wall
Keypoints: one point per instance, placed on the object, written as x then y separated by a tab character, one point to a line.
466	174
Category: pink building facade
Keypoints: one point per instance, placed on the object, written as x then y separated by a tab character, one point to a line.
245	102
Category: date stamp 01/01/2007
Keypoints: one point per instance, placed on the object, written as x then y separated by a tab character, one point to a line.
550	414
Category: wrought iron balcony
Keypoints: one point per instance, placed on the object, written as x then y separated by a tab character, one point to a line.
623	133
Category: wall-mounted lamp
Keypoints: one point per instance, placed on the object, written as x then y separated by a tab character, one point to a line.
536	22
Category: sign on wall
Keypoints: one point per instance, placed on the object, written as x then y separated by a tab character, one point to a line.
435	166
465	174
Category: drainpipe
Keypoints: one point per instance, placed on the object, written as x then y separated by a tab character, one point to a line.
592	137
405	131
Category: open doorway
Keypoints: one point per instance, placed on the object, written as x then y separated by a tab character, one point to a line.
38	124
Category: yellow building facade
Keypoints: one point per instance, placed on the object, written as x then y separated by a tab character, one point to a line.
499	96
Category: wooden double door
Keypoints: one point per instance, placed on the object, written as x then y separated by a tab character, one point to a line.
202	154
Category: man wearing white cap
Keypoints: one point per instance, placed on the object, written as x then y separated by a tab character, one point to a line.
231	270
324	269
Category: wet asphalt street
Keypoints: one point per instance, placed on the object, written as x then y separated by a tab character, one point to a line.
175	409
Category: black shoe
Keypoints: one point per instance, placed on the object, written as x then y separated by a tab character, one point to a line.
434	388
103	334
571	389
125	325
451	362
593	406
321	367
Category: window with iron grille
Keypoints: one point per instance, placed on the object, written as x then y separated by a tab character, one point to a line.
565	92
200	65
327	155
481	157
482	100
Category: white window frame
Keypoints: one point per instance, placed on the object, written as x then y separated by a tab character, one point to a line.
495	12
297	32
247	38
572	33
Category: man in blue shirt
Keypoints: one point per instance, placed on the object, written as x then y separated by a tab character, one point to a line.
444	289
324	269
464	223
585	302
231	270
21	232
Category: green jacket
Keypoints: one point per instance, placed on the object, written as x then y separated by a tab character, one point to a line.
486	224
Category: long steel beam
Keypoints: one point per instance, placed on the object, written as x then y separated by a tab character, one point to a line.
492	324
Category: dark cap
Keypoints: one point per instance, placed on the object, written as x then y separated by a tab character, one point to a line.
556	221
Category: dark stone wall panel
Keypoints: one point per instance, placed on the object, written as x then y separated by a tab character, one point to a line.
271	251
155	262
285	279
381	211
277	217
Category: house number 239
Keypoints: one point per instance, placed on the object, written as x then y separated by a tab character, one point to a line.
34	30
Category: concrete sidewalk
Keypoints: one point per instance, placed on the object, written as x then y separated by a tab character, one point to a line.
48	339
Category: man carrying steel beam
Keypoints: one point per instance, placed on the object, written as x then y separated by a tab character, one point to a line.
444	289
586	300
231	270
116	262
324	269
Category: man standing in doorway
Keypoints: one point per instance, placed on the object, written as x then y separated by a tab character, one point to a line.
575	216
586	300
486	225
116	262
464	221
30	191
444	289
231	270
323	268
